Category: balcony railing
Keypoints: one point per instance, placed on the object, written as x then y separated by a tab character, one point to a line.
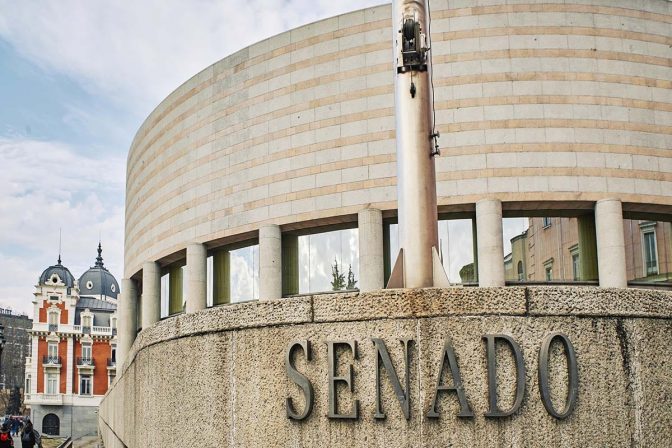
84	361
111	362
114	332
48	398
51	360
67	328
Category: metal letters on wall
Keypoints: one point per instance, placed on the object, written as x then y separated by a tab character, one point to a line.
346	352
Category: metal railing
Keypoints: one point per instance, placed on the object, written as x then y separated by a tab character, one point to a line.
84	361
53	327
111	362
54	360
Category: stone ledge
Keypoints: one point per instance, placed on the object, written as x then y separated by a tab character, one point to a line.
537	301
235	316
602	302
418	303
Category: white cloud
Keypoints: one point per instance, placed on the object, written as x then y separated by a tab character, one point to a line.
139	52
45	186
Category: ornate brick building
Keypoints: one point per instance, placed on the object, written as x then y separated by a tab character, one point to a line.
73	346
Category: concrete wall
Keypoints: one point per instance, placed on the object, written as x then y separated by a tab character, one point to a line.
220	372
535	101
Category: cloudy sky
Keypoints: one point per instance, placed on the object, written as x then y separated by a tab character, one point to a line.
77	77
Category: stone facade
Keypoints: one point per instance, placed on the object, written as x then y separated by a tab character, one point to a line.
536	102
235	380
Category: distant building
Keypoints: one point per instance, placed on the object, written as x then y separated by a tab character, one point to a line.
74	348
17	348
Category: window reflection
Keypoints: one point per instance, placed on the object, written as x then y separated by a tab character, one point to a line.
244	274
546	249
648	250
456	247
328	261
233	275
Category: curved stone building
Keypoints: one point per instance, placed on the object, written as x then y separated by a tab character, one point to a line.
545	109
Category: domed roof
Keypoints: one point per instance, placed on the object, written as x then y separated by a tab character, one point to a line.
57	274
98	281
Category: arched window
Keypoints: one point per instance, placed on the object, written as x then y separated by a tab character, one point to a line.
51	425
521	274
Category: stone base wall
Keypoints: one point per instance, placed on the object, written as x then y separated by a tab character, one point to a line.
79	421
219	376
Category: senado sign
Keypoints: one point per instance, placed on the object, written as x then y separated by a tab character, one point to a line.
450	383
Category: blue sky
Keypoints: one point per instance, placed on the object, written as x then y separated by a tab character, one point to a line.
76	80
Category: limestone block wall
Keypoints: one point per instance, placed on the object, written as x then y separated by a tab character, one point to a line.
221	372
536	100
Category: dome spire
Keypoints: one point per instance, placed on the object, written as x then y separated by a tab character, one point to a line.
99	259
59	245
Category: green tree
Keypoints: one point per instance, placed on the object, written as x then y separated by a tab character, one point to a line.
338	278
352	283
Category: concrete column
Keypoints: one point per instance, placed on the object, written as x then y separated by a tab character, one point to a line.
610	244
489	241
127	322
197	282
371	262
151	293
270	262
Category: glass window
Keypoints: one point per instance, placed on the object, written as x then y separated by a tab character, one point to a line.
514	242
244	274
52	383
86	352
575	266
87	321
28	385
549	273
85	385
53	317
648	250
233	275
546	221
328	261
113	354
456	249
650	255
456	245
569	245
52	350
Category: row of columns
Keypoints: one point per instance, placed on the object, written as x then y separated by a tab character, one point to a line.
490	252
608	235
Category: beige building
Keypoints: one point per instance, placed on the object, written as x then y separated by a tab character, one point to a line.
253	178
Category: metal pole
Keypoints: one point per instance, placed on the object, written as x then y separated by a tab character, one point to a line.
416	265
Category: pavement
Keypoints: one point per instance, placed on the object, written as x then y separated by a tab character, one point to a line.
84	442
